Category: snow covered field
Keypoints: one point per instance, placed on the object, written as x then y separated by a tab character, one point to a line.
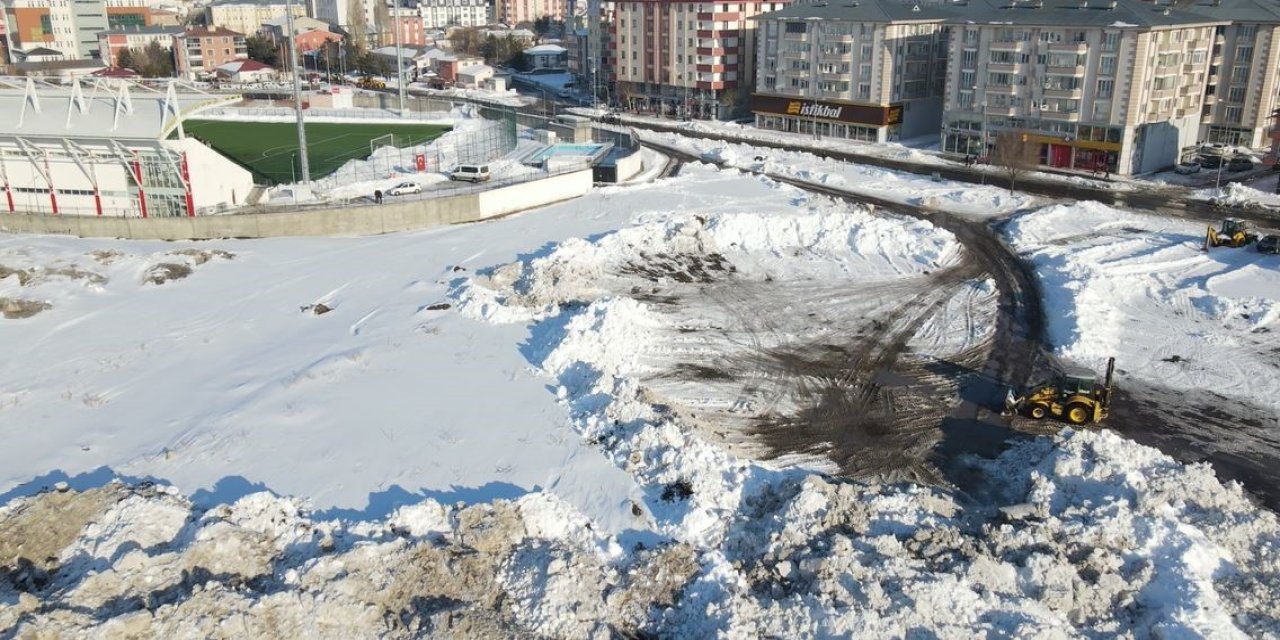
510	429
1142	288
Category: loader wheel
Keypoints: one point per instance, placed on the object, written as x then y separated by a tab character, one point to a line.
1038	411
1078	413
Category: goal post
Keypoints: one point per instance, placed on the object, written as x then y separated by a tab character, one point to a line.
388	140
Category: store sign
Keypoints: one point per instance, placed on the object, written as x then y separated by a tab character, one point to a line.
874	115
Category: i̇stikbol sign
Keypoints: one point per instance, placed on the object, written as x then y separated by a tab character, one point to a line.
866	114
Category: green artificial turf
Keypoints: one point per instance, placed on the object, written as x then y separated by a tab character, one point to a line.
268	148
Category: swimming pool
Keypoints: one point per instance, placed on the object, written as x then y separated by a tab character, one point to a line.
588	150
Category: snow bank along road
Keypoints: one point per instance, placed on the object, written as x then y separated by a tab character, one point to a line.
1236	432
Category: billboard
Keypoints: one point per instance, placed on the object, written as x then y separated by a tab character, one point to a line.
864	114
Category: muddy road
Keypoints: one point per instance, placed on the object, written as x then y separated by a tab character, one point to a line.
877	410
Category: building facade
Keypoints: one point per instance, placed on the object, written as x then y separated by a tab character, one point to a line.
441	14
514	12
199	51
1118	86
873	71
1242	91
71	28
113	41
685	58
247	16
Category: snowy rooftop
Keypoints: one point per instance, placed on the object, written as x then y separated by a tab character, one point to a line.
546	48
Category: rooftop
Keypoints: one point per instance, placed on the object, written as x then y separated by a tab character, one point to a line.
203	32
139	30
546	48
58	115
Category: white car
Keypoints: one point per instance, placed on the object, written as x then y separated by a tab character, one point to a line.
404	189
1186	168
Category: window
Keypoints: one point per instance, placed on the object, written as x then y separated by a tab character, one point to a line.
1107	65
799	83
1239	75
1105	88
968	59
968	80
1236	94
1244	54
866	52
1233	114
795	27
864	92
1247	31
1110	40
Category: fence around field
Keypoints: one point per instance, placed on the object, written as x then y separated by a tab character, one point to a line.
465	204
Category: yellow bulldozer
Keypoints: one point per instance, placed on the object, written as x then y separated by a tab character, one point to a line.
1234	233
1075	396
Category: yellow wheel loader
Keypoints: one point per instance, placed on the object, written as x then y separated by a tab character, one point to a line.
1235	233
1074	397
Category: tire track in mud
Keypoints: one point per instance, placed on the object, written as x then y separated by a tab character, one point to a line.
1237	437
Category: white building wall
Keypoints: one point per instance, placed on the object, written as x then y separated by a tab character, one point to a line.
216	181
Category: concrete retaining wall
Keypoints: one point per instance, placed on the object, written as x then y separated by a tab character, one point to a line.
349	221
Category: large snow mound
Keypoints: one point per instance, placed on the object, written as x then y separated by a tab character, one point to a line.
1112	539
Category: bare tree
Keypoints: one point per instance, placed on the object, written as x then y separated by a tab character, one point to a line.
1015	154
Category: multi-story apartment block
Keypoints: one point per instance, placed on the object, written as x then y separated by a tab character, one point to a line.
685	57
201	50
113	41
601	54
514	12
1113	83
1242	89
246	16
70	27
439	14
872	70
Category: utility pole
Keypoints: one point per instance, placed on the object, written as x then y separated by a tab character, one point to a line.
304	163
399	59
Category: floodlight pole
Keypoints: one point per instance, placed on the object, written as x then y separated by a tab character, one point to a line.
399	58
304	163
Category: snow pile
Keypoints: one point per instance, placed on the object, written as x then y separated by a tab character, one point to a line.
895	186
1143	289
1236	194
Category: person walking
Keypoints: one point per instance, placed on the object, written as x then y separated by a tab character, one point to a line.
377	196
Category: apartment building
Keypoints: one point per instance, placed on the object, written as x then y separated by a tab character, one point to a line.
246	16
601	53
873	70
113	41
201	50
1118	84
514	12
440	14
69	27
686	58
1242	91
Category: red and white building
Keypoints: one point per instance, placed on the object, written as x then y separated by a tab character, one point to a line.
111	43
103	148
201	50
684	57
514	12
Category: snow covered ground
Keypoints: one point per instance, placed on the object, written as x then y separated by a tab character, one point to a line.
1142	288
490	433
1236	194
897	186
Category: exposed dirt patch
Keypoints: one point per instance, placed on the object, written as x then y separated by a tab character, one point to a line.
32	277
684	268
105	256
18	308
165	272
201	256
34	533
439	306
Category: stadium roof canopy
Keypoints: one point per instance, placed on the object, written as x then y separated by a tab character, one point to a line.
96	108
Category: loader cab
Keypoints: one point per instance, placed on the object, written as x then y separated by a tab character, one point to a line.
1077	381
1232	226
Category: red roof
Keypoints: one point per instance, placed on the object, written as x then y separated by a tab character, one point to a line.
252	65
201	32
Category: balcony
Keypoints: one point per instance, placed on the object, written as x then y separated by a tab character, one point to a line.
1001	111
1011	45
1064	71
836	56
1061	116
1069	47
1075	94
1001	90
1000	67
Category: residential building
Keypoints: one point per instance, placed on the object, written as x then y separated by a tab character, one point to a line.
410	27
874	70
246	72
601	53
514	12
246	16
357	18
1242	90
439	14
201	50
552	57
113	41
311	33
686	57
71	28
474	76
1117	84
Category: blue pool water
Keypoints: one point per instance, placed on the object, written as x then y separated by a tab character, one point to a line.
567	150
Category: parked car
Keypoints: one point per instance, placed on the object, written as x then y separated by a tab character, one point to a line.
470	173
1211	162
1188	167
1269	244
404	189
1240	163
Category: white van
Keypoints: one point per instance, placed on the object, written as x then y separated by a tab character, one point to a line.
470	173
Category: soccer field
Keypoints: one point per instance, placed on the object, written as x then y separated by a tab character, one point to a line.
269	148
